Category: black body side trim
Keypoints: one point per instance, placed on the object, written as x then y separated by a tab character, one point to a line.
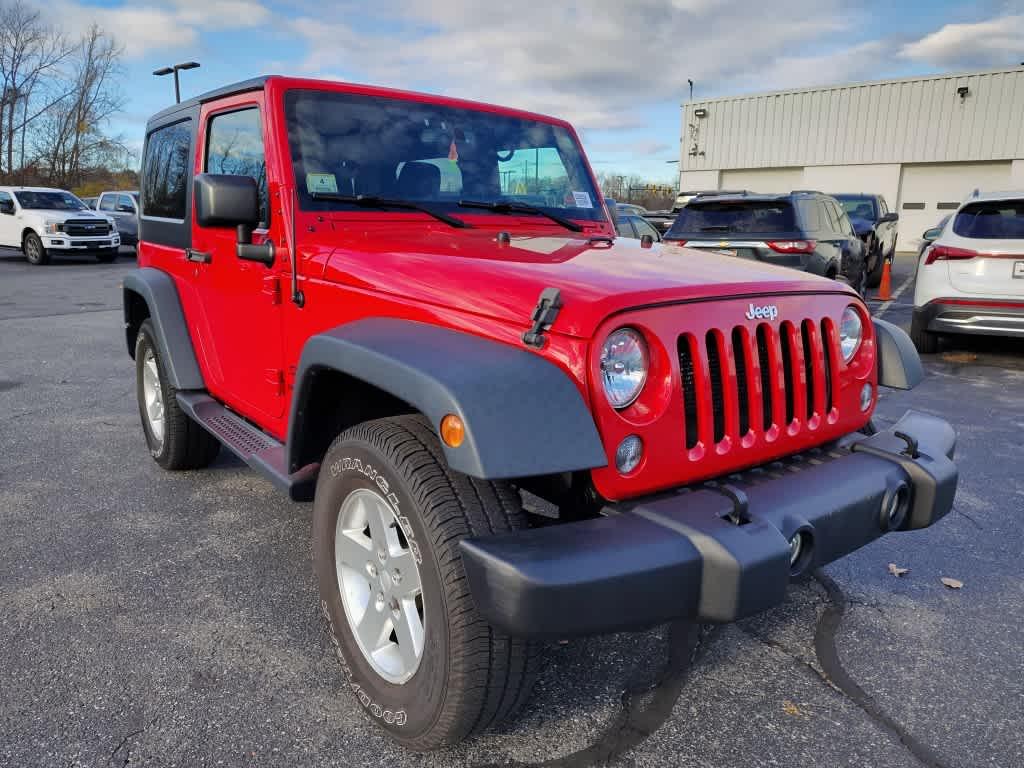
157	289
899	365
524	416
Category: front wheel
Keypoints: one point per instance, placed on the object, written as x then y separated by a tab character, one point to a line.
33	249
387	521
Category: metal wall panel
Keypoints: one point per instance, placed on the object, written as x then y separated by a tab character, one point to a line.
913	120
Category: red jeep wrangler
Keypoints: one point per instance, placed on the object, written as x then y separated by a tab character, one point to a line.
413	311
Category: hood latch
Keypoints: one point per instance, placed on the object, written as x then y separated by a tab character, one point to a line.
544	314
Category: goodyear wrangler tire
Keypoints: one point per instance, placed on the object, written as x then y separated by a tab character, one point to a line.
387	521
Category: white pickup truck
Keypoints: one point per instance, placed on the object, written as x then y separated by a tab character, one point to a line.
43	221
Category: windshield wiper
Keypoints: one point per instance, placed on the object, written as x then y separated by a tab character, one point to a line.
373	201
717	228
507	207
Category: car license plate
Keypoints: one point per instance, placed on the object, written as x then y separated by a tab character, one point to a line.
1018	269
725	251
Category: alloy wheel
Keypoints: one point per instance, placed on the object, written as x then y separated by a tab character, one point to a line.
380	586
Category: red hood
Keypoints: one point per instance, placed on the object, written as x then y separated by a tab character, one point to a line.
470	271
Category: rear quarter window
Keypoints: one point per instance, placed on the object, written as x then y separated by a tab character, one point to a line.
165	174
995	220
739	217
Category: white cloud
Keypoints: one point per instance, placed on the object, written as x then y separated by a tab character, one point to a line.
143	28
994	42
596	64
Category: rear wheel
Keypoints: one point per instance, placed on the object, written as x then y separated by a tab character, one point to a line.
174	440
387	521
926	342
33	249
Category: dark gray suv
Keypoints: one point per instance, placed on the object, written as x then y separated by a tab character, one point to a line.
123	207
804	230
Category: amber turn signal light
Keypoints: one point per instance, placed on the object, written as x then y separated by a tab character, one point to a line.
453	431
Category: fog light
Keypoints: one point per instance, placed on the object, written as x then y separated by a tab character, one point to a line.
628	454
867	393
895	506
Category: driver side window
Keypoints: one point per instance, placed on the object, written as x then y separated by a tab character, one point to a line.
234	146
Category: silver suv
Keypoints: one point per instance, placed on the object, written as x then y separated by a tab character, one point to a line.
123	207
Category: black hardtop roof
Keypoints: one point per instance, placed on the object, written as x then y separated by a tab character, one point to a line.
242	86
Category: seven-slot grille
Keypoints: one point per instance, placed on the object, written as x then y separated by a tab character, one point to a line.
757	380
86	228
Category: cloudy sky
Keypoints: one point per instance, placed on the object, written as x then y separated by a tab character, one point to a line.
617	69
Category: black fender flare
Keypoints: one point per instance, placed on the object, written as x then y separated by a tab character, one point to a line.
899	365
157	290
523	415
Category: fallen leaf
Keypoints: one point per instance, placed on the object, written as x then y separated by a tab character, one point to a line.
790	708
952	583
959	357
895	570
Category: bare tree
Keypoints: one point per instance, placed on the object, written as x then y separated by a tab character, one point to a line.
30	51
73	138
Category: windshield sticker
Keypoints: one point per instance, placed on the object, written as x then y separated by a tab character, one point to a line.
582	199
321	182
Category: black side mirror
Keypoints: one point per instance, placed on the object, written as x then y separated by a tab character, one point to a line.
224	200
891	216
125	209
931	235
7	206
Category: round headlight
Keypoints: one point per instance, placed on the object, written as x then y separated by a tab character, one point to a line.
850	331
623	366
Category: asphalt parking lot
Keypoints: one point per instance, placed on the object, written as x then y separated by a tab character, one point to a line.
171	619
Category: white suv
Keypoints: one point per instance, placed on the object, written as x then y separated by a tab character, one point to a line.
970	279
43	221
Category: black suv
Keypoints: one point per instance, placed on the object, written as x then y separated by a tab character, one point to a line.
875	224
803	230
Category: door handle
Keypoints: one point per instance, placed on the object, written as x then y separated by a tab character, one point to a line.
199	257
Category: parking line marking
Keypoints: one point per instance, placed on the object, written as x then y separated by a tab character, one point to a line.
899	292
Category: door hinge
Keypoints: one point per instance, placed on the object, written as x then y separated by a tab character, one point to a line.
544	314
275	376
289	377
272	288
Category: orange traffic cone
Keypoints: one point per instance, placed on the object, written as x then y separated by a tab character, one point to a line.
885	287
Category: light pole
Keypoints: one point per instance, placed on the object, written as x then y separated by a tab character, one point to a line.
174	70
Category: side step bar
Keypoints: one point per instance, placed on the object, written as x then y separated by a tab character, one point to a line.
253	446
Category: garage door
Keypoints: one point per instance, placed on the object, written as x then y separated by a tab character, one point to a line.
929	192
764	179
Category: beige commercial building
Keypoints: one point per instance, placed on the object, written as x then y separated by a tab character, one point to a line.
925	143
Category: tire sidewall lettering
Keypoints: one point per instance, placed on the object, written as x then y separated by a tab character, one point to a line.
376	476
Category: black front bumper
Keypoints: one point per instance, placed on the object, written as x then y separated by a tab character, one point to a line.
718	552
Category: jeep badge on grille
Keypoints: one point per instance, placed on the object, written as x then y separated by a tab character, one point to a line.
767	312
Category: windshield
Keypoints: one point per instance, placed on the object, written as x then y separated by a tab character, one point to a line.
996	220
857	206
49	201
349	144
763	217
